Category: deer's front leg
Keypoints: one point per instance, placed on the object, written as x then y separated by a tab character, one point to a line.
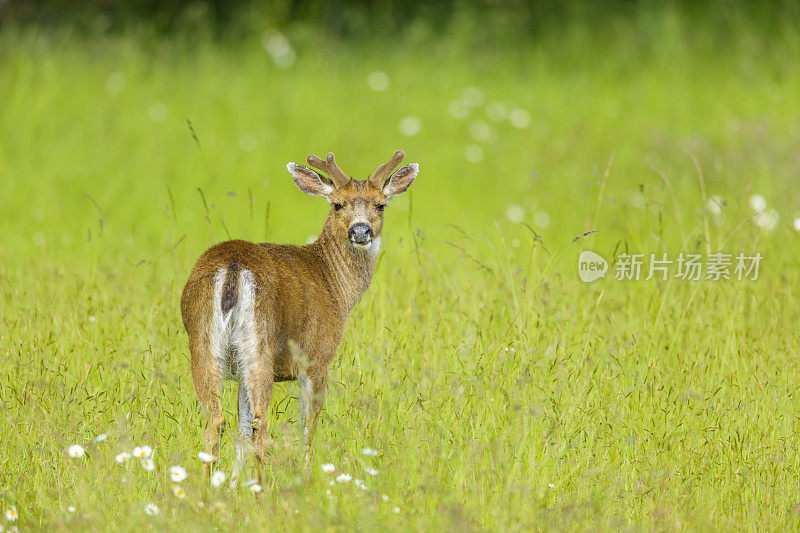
310	400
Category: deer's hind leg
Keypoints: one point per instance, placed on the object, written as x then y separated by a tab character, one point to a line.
259	384
254	351
244	434
208	387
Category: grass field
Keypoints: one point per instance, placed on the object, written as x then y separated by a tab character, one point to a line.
502	392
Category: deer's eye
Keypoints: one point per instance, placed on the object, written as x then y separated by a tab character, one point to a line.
337	206
380	207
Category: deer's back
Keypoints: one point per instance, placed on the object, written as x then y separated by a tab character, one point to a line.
292	299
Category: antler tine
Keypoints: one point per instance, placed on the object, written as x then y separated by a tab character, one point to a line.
329	166
336	172
383	172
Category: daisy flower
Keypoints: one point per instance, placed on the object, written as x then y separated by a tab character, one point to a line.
255	488
217	478
385	497
396	510
205	457
142	451
371	471
151	509
370	452
148	464
122	457
178	492
76	451
100	438
12	514
343	478
177	473
328	468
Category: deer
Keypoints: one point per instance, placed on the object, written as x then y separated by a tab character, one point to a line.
261	313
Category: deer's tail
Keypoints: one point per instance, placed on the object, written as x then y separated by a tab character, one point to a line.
230	293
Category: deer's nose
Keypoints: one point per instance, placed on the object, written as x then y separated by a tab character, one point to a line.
360	233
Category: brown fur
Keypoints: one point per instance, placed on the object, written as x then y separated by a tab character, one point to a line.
303	295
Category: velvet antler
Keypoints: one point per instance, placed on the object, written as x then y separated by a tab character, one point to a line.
329	166
383	172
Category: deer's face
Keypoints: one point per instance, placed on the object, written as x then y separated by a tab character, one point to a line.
356	206
357	212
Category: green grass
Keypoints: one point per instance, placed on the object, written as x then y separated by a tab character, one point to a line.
502	392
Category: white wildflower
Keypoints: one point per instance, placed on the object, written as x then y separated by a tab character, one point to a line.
371	471
343	478
151	509
767	220
12	514
148	464
122	457
205	457
217	478
177	473
328	468
142	451
76	451
178	492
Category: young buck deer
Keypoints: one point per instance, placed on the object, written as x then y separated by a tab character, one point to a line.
261	313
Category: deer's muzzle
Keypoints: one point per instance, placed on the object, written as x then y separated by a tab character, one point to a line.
360	233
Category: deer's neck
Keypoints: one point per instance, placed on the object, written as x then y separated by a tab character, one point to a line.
348	269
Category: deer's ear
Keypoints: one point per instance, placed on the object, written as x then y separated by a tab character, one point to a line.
401	180
309	181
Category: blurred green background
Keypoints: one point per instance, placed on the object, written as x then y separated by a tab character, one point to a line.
503	392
